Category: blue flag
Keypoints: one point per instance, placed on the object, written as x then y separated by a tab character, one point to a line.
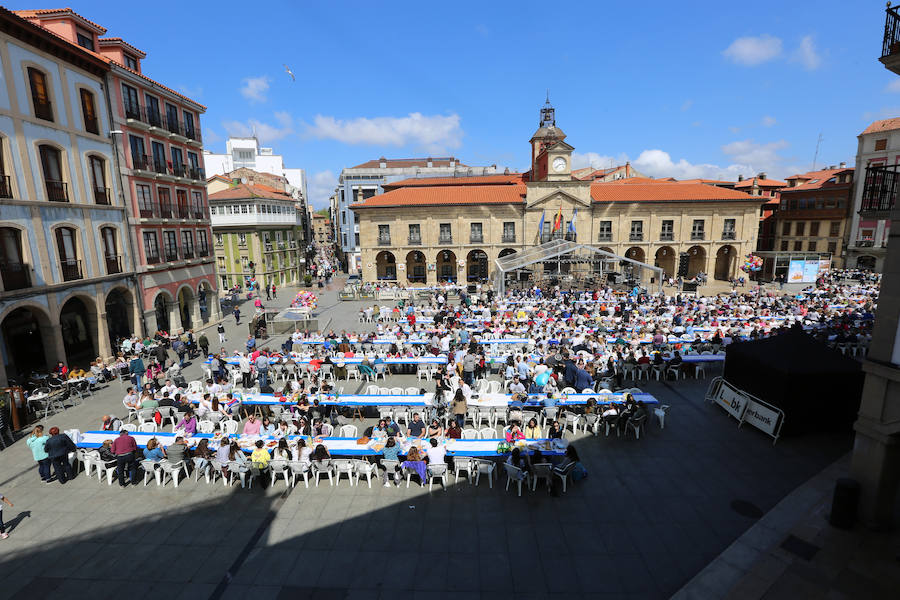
572	222
541	225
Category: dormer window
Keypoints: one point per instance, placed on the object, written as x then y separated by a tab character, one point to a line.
131	62
85	40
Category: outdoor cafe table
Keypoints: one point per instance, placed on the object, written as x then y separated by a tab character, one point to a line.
355	360
421	400
337	446
503	400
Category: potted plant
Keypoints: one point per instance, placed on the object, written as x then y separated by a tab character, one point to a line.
307	280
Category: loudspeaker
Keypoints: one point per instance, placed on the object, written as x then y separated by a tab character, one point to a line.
683	261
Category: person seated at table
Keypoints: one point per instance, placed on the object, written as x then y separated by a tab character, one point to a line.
416	427
252	426
205	405
282	451
110	423
176	451
166	400
222	455
391	452
267	427
416	463
644	359
321	429
259	461
202	455
676	360
435	454
76	373
188	423
555	432
519	460
153	453
236	458
148	401
516	387
106	454
301	424
513	432
378	431
454	431
532	430
434	429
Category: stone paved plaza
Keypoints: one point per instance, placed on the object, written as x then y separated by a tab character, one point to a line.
652	513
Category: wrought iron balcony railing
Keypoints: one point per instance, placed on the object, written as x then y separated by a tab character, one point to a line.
15	275
57	191
71	269
879	189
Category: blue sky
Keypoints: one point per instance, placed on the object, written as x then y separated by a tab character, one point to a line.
682	89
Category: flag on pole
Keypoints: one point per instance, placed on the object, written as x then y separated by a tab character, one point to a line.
572	222
557	223
541	225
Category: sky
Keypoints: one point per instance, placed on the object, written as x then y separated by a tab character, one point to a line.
682	89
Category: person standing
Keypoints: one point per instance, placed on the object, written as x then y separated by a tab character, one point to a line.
136	368
124	447
237	315
251	343
178	347
58	447
262	370
3	534
274	295
204	344
221	329
268	293
36	442
244	362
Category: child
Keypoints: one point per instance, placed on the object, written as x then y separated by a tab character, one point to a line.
3	534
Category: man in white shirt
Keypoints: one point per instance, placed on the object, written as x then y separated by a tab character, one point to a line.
244	362
516	387
170	388
436	453
131	399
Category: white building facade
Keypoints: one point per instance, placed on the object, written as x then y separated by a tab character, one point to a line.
247	153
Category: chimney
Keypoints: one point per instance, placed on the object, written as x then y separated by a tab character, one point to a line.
740	178
843	165
382	163
452	162
506	171
429	162
832	167
762	176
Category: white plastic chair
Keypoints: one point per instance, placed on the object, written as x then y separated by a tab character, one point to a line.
541	471
300	469
698	370
279	467
349	431
228	426
463	463
129	427
437	471
516	474
173	470
342	465
323	466
364	467
660	413
488	467
487	433
206	426
373	390
412	391
470	434
147	427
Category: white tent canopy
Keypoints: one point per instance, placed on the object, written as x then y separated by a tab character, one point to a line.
558	249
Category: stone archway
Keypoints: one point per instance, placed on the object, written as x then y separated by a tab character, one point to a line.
415	267
78	326
186	307
866	262
119	312
726	258
385	266
27	342
162	306
477	266
208	302
665	260
446	266
696	261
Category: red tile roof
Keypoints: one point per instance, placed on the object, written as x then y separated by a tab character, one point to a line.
446	195
246	190
817	180
511	179
707	181
883	125
401	163
628	190
763	183
117	41
53	12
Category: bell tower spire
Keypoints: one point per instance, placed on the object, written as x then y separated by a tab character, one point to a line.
548	114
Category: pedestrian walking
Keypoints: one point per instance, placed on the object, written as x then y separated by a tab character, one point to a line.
3	499
204	344
136	368
268	293
274	295
237	315
36	443
58	447
179	347
221	329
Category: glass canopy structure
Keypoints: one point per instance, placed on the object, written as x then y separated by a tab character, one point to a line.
569	263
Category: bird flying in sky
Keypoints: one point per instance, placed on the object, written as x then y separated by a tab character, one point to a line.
287	69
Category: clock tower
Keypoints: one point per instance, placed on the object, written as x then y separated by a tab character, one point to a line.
551	157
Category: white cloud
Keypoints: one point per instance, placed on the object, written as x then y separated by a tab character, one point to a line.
751	51
686	105
807	54
747	158
264	132
320	187
254	88
431	133
581	160
768	121
893	87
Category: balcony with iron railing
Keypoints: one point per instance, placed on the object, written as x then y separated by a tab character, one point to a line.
636	237
476	238
43	110
865	243
879	191
198	213
15	275
729	235
192	133
667	236
147	210
508	238
142	163
196	174
101	195
559	235
203	250
179	170
5	187
890	47
153	258
445	239
57	191
71	269
134	112
384	240
166	210
604	237
160	167
698	236
113	263
171	254
187	252
414	240
174	127
183	211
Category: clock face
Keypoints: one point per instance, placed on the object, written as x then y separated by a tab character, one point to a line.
559	164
